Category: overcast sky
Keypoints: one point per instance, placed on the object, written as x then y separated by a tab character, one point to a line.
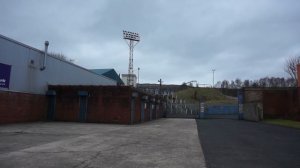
180	40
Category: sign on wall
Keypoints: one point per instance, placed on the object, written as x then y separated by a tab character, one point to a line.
4	75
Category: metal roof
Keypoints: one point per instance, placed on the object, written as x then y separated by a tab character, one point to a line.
110	73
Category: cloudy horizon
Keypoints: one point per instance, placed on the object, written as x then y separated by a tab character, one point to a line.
180	40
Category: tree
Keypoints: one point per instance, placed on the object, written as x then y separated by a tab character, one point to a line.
61	57
246	83
291	66
218	84
225	84
255	83
262	82
232	85
290	82
238	83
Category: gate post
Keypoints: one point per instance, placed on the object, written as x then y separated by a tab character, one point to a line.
51	94
157	109
202	110
143	103
240	104
152	108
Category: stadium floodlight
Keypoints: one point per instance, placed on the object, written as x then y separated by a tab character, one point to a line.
132	39
131	36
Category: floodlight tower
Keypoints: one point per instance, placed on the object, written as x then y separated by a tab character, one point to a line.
131	39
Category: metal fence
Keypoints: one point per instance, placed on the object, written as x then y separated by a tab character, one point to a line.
180	109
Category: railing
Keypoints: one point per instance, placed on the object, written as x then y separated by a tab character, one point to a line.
181	109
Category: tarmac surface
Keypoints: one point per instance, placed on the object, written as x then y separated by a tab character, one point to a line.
228	143
160	143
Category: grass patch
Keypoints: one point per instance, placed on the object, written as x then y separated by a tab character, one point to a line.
283	122
211	96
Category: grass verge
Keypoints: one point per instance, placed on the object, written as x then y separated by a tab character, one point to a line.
283	122
212	96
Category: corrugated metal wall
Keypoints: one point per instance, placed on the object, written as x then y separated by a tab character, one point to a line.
26	75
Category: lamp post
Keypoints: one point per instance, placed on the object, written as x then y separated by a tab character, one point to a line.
213	70
138	74
160	83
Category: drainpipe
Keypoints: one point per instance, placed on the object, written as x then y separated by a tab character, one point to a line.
45	56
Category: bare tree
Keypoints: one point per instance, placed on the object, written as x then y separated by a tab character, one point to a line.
225	84
61	57
247	83
238	83
291	66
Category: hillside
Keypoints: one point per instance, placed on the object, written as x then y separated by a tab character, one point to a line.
210	95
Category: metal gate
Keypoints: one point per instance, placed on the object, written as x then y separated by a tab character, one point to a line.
180	109
222	111
233	111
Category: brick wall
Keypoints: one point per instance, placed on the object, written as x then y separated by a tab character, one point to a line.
282	103
275	102
22	107
106	104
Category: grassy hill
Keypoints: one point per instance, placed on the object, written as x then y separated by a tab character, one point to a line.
210	95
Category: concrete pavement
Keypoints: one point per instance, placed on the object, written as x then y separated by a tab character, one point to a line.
160	143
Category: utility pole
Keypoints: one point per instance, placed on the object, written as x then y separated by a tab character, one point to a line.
160	83
213	70
138	75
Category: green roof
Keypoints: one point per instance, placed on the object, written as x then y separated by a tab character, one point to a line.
110	73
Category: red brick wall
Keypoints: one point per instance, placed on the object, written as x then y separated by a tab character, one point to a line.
137	118
282	103
276	102
106	104
22	107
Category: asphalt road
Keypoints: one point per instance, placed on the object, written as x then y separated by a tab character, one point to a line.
230	143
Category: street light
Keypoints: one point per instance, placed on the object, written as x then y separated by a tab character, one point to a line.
213	70
138	74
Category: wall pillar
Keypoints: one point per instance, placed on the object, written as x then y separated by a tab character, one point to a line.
132	109
240	104
143	104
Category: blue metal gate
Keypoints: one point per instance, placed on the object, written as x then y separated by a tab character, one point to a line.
222	111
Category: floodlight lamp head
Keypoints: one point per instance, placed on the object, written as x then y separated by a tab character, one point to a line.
46	43
131	36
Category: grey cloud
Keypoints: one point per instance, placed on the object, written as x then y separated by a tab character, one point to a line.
180	40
